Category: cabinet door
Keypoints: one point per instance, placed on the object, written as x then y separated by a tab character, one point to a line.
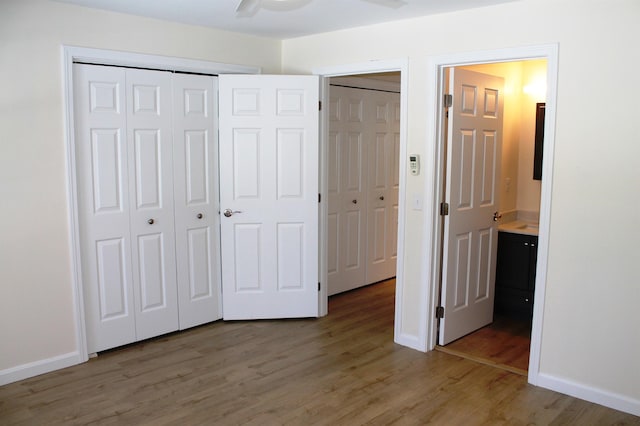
515	274
513	261
533	260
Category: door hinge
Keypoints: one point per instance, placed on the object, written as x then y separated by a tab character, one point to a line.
447	102
318	286
319	105
319	197
440	312
444	209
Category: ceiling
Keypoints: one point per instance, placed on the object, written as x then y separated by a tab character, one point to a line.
282	20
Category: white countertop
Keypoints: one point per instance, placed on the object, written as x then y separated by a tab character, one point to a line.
519	227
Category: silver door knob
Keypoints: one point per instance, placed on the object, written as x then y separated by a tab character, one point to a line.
229	212
497	216
151	221
199	215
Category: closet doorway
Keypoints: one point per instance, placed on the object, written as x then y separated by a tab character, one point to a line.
363	179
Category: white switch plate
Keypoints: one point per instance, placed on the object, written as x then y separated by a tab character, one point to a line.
417	202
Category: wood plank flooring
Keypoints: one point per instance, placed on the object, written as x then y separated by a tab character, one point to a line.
343	369
504	344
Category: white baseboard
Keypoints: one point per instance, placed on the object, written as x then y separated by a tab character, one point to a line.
36	368
591	394
409	341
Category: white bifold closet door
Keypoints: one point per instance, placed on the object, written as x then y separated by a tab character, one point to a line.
383	181
134	147
196	198
364	135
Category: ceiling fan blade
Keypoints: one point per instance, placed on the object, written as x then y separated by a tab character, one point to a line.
247	8
244	5
388	3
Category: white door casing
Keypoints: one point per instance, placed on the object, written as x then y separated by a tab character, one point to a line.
196	197
269	178
470	239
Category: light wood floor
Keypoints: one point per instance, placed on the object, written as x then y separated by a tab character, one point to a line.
343	369
504	344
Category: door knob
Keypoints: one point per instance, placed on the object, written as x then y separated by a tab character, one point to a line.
496	216
229	212
382	198
151	221
199	215
354	201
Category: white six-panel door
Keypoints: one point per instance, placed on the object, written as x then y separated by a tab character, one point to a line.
269	189
473	173
197	223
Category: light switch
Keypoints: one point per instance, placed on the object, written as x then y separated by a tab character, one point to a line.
417	201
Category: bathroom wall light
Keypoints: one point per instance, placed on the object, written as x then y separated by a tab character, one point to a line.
537	88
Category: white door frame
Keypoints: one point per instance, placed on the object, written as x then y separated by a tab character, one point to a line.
393	65
434	162
71	54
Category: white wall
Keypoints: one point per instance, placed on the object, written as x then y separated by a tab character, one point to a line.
591	319
36	310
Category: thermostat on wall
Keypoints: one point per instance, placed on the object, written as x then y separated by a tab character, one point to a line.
414	164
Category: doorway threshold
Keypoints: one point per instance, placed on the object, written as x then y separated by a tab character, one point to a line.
482	360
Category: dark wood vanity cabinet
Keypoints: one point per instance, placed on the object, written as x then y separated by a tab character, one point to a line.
516	274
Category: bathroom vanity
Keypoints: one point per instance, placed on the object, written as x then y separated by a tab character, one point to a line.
516	269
